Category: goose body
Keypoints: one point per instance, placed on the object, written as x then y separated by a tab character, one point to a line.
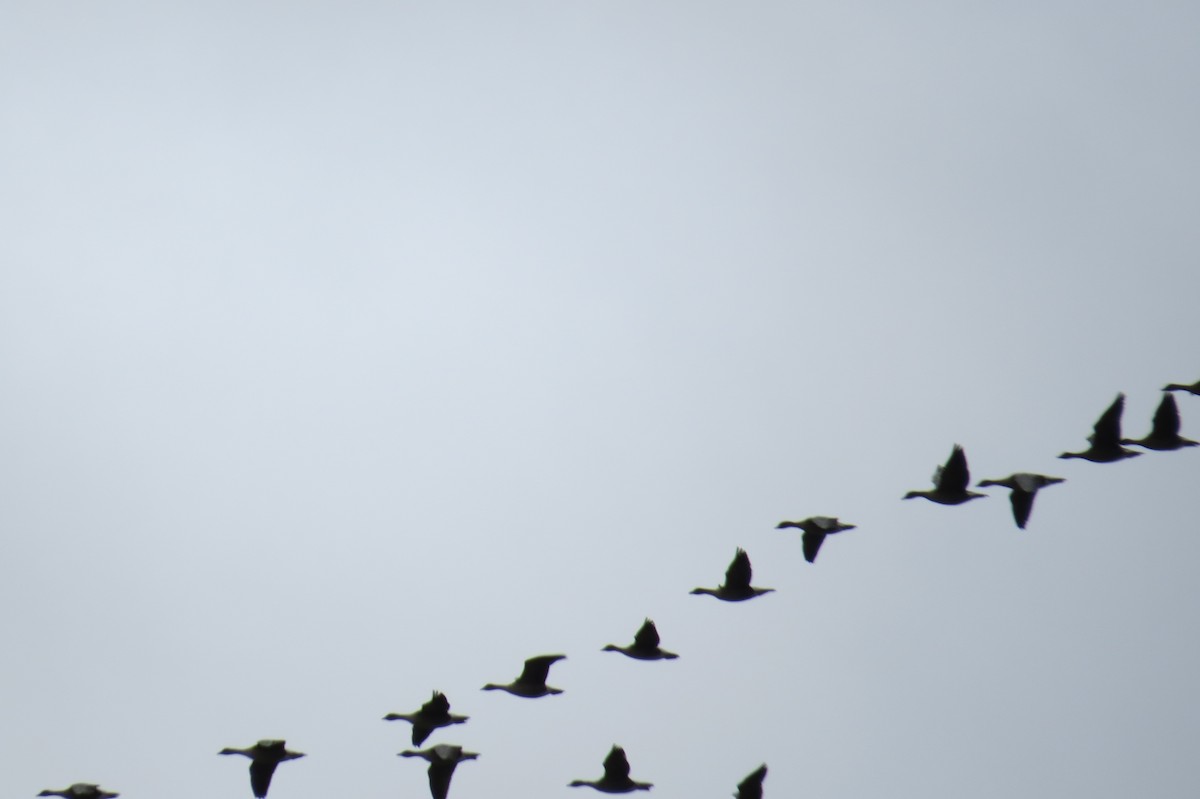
1105	439
1024	487
815	529
645	645
264	757
532	682
752	786
433	714
81	790
1164	430
443	759
950	482
736	587
616	776
1193	388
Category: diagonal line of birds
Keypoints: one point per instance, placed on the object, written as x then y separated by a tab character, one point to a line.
951	486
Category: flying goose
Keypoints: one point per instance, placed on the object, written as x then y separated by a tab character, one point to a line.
751	787
1024	487
1106	437
815	529
1164	431
264	757
645	645
737	582
616	776
950	482
532	682
443	759
1194	388
433	714
81	790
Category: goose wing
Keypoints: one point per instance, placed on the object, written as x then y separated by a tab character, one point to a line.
1107	430
954	476
812	540
537	669
616	765
751	787
260	776
647	637
440	772
1166	418
738	574
1022	505
437	706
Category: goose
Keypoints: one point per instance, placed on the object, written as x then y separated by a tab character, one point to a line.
443	759
751	787
950	482
1164	431
645	645
616	776
1024	487
264	757
81	790
736	587
433	714
815	529
532	682
1106	437
1194	388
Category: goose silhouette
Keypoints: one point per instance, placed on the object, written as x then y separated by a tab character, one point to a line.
532	682
1105	439
1024	487
616	776
950	482
264	757
645	645
443	759
736	587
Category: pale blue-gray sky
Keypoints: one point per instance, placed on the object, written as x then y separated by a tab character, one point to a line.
353	350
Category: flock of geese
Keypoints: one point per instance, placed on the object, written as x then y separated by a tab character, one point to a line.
951	484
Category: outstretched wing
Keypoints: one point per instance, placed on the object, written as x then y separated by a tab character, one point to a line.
738	574
616	765
260	776
438	705
812	540
1107	430
751	787
439	778
1166	418
647	637
954	476
537	669
1022	505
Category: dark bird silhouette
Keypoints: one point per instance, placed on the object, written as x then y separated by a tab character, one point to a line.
950	482
532	682
1106	437
81	790
737	582
433	714
616	776
644	646
751	787
1024	487
815	529
264	757
1164	431
443	759
1194	388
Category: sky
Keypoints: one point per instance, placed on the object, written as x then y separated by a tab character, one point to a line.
355	350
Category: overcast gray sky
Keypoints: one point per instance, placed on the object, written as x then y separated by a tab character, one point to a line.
357	349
